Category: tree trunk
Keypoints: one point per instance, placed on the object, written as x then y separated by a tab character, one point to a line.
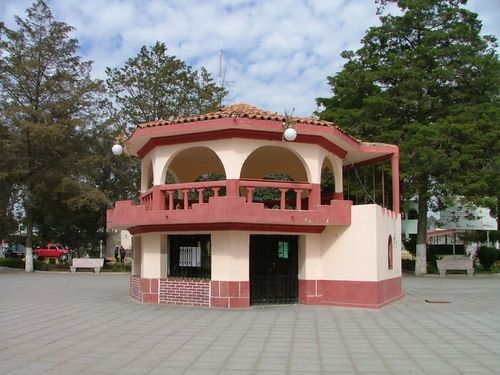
28	262
421	251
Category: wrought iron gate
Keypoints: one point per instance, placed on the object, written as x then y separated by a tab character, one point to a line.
273	269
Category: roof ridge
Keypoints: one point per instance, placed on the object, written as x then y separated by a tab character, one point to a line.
244	110
236	110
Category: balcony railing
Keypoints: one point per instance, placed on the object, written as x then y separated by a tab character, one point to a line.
297	200
284	206
292	195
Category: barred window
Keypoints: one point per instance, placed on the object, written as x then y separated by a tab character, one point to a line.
189	256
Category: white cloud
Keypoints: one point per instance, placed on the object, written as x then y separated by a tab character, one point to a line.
278	54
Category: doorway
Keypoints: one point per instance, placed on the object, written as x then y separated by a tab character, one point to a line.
273	269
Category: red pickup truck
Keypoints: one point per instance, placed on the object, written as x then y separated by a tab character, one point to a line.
51	251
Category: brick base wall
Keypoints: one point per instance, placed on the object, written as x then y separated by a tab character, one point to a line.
367	294
235	294
173	291
144	290
186	292
135	287
230	294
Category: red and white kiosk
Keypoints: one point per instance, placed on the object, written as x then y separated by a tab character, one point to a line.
242	238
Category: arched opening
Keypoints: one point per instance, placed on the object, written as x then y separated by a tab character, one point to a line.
188	165
197	165
267	160
148	178
390	254
327	182
274	173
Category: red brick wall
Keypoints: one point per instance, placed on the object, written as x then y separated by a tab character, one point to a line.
191	292
187	292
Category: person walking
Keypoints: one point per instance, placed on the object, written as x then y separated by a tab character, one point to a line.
117	254
122	254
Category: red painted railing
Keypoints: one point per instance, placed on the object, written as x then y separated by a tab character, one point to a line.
301	193
293	195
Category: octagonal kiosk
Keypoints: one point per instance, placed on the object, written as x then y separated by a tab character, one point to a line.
232	214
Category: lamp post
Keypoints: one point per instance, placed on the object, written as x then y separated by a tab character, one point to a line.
120	140
117	149
289	132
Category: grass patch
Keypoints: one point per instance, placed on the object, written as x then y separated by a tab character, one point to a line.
37	265
12	262
493	269
117	267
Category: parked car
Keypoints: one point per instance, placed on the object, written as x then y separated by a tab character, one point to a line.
15	251
51	251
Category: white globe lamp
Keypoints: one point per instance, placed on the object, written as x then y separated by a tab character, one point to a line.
117	149
290	134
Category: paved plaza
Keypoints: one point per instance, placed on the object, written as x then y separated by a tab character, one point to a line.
62	323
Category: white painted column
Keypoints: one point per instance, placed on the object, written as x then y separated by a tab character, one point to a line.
230	252
136	256
310	264
154	256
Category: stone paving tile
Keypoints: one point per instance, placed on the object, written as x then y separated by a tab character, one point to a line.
272	366
89	325
38	366
209	365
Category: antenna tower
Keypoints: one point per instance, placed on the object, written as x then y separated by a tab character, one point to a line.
222	72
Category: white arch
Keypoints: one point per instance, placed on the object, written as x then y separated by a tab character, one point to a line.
274	155
164	161
233	153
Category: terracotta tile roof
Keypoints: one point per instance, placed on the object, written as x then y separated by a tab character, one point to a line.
243	110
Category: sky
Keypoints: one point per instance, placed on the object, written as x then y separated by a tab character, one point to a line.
277	54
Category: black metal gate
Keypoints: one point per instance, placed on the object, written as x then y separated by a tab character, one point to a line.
273	269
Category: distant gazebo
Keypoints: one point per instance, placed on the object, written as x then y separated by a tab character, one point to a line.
232	214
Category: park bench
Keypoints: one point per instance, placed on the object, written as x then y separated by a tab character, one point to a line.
95	263
452	264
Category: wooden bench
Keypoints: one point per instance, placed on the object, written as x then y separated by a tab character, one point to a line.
449	264
95	263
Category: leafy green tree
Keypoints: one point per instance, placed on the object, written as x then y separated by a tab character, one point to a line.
428	81
480	160
47	99
98	181
154	85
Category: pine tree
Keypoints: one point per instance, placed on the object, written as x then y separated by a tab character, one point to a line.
428	81
154	85
47	98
